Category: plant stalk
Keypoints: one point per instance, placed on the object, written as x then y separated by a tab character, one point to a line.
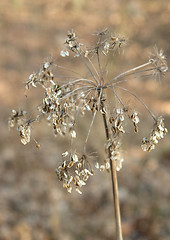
114	186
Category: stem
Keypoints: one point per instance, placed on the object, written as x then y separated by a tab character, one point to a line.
129	71
124	89
114	186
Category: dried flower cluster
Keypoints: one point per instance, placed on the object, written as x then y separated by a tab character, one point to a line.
64	101
157	133
79	174
159	61
23	126
114	147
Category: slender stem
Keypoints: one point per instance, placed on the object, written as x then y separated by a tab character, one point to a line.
91	124
117	96
126	90
129	71
114	186
90	71
131	74
69	70
93	66
74	91
83	80
92	121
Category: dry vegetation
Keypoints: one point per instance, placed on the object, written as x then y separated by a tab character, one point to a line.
32	204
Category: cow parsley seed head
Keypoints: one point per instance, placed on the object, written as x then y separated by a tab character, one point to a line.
68	94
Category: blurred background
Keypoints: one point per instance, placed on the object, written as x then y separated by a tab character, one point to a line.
33	204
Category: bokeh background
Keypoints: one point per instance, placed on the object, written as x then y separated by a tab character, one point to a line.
33	205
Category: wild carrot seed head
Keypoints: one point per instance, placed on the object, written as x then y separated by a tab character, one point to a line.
69	94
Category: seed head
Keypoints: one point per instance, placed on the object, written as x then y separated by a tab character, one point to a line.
157	133
69	94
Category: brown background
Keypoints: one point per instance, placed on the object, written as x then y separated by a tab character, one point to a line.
33	204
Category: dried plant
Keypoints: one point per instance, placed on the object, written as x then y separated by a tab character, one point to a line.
64	101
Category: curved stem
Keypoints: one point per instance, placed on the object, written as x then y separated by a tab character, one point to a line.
133	94
74	91
74	82
131	74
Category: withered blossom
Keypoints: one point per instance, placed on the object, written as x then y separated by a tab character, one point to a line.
157	133
65	101
25	133
73	172
159	61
